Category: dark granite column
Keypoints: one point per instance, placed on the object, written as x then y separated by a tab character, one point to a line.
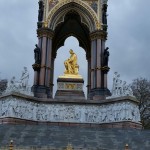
99	88
52	75
89	76
42	77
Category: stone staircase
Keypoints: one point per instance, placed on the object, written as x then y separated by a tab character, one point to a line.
58	137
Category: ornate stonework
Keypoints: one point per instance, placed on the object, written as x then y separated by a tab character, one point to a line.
70	86
45	32
80	3
93	4
68	112
52	3
99	34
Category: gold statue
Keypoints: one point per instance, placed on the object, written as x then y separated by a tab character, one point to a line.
71	64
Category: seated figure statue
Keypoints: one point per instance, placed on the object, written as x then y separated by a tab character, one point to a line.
71	66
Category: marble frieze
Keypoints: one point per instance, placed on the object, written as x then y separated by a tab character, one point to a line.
18	107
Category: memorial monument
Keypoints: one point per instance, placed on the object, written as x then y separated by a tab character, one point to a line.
69	104
87	21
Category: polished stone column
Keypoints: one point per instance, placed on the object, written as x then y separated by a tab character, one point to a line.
43	61
92	65
51	84
99	72
98	65
42	76
89	77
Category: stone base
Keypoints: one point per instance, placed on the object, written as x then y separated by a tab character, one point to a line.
70	88
99	94
122	125
70	95
41	91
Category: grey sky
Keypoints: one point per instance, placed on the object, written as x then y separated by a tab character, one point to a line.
128	39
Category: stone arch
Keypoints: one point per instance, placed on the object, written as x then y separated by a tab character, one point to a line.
88	16
64	30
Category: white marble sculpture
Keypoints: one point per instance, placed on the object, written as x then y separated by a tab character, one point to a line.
105	113
120	88
24	78
20	86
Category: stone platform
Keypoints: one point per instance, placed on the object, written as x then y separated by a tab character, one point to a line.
70	87
86	124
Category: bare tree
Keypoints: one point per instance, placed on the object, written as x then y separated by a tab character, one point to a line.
141	90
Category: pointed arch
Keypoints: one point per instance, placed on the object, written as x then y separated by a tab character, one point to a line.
88	16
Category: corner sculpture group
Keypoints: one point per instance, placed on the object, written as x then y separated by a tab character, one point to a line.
120	88
20	86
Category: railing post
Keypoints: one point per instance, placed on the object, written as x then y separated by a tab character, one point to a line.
11	145
126	147
69	147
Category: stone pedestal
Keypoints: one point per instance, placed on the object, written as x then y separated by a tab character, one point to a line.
70	87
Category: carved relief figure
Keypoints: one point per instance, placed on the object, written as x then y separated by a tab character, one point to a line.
123	110
4	110
129	111
69	113
104	113
115	112
71	64
110	113
77	115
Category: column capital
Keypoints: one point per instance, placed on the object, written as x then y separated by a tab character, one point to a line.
45	32
36	67
98	34
105	69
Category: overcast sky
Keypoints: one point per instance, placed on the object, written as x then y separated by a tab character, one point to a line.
128	40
